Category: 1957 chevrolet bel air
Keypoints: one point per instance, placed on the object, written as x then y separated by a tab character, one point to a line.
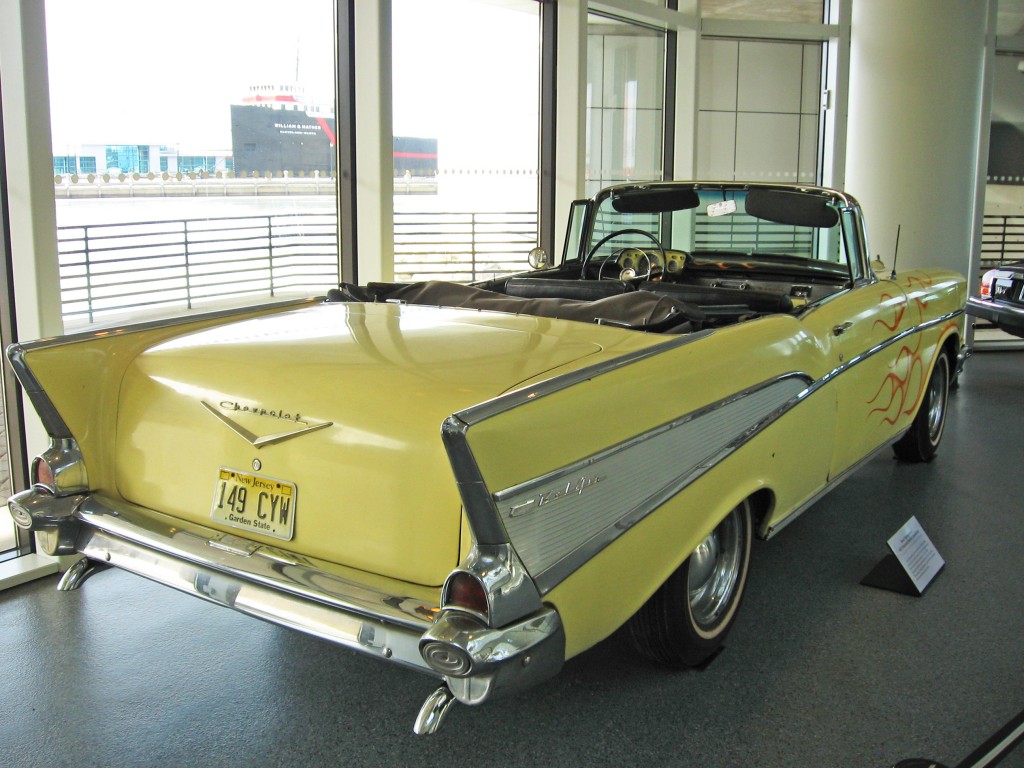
479	482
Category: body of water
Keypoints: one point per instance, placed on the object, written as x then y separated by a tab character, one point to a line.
467	193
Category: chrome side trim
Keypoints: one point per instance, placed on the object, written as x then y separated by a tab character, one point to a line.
495	516
561	520
769	531
884	345
502	403
52	421
477	501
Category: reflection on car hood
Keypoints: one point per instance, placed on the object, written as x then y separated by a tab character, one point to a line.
346	402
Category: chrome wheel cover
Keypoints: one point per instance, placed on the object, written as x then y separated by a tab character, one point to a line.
938	391
714	571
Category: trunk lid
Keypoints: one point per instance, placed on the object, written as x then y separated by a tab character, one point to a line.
342	403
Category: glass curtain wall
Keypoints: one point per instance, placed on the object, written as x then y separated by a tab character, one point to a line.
759	111
625	102
193	166
466	112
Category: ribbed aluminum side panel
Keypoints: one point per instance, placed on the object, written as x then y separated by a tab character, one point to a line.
578	509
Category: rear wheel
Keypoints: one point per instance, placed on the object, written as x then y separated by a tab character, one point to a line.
685	622
922	439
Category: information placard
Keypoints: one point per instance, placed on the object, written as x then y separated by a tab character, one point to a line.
913	562
916	554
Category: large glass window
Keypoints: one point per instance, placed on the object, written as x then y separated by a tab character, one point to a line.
466	116
801	11
625	102
194	168
759	113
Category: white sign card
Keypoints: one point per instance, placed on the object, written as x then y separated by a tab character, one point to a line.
916	554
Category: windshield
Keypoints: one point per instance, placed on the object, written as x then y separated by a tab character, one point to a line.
685	223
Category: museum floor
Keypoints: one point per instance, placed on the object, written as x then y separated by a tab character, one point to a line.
818	671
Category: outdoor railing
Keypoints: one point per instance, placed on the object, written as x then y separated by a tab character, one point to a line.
462	247
113	269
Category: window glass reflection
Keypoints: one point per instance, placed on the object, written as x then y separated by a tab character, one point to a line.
800	11
465	82
625	101
192	167
759	110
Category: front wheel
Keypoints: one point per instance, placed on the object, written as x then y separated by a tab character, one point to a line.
922	439
685	622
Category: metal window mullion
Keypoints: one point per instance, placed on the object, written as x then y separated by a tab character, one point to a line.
548	124
345	130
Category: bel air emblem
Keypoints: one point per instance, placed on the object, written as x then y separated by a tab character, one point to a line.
576	487
304	426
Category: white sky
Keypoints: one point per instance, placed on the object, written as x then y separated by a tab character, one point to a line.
125	71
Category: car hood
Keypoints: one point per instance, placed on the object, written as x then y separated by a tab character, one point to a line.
345	402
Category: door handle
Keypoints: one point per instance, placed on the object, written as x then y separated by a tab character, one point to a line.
839	330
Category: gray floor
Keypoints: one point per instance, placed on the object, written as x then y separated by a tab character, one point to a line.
819	670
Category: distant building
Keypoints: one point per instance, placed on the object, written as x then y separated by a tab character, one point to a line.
273	130
115	159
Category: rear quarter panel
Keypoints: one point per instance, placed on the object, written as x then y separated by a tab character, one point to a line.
576	424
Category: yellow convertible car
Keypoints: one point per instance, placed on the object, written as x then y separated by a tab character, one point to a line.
479	482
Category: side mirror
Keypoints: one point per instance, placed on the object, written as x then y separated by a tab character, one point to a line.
538	258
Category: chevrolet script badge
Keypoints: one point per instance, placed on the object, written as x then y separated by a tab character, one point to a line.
304	426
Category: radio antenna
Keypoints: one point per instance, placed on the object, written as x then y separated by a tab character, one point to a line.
895	252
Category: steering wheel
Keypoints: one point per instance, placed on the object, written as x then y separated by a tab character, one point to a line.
618	254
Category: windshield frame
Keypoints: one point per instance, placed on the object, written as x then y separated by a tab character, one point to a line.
849	227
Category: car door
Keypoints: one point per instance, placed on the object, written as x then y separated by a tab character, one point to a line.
875	371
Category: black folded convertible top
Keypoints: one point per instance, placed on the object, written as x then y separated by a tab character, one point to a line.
639	310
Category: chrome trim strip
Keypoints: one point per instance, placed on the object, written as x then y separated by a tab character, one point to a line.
555	544
769	531
52	420
482	506
884	345
168	322
477	501
581	465
506	402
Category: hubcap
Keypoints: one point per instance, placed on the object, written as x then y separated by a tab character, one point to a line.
937	390
714	570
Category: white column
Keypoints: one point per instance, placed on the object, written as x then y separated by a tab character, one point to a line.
29	158
31	211
915	117
374	143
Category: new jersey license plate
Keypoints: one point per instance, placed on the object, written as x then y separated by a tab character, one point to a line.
255	503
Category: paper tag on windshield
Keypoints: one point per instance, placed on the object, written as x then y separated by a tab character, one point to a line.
723	208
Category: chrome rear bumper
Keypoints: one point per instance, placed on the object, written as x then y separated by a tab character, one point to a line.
252	578
370	615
